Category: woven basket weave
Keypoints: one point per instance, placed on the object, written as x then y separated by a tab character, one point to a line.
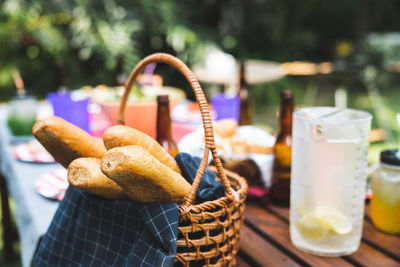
208	233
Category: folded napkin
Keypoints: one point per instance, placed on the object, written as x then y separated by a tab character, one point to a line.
88	230
209	188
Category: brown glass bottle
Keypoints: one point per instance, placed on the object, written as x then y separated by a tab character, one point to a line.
164	132
280	186
245	105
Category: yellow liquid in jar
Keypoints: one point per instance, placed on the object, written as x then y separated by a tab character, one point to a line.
385	206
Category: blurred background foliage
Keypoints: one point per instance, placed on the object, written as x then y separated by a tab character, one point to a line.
88	36
85	38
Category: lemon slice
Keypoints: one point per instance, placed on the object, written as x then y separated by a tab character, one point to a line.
333	219
311	227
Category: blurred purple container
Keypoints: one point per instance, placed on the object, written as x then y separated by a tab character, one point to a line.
225	106
70	109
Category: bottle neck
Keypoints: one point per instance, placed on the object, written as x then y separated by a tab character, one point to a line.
285	117
120	78
242	80
61	79
164	131
243	93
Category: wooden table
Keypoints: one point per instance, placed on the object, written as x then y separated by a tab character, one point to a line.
265	241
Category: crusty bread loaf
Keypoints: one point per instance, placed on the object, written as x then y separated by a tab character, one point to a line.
119	135
85	174
143	177
66	142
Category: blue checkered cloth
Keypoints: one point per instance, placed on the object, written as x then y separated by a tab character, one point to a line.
209	188
88	230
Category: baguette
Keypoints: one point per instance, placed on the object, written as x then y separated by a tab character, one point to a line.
143	177
85	174
66	142
120	135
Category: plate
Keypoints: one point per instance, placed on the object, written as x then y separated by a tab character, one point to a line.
32	151
52	184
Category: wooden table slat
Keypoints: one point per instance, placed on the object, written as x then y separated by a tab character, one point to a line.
390	244
280	211
261	251
387	242
273	228
369	256
240	262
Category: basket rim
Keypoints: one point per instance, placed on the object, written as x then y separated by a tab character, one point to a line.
196	210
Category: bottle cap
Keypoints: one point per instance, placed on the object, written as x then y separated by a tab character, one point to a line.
287	94
390	157
162	99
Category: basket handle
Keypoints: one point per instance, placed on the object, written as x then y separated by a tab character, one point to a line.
205	114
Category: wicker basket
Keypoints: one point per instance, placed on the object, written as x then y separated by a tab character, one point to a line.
208	233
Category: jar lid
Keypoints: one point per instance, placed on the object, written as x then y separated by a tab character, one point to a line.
390	157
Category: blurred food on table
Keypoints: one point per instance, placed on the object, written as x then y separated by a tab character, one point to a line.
141	109
239	147
246	168
232	140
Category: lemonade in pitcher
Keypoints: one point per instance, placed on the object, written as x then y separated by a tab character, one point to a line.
329	159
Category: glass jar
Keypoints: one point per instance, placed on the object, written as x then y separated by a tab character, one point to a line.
22	115
385	201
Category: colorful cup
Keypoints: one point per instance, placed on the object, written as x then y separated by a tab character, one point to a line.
225	106
71	108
